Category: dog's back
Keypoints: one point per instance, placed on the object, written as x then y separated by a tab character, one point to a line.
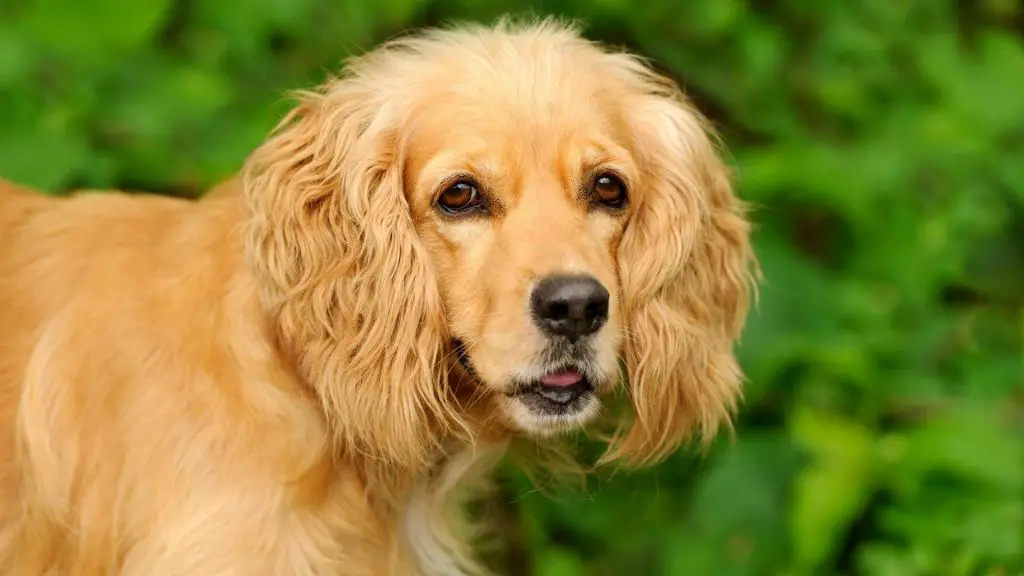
112	312
70	269
141	392
16	206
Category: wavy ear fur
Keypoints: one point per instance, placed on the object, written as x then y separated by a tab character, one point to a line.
686	271
344	275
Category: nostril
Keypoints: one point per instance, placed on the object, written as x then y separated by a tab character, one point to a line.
558	310
597	309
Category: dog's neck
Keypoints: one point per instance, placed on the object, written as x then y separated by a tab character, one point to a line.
429	507
436	530
433	522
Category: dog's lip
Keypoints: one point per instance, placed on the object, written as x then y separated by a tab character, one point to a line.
558	387
561	378
561	395
558	399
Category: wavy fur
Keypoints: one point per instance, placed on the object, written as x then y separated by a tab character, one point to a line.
687	274
330	239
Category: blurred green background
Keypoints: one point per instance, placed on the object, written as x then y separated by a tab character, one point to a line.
882	142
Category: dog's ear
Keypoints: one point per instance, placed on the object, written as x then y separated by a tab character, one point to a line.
686	269
344	275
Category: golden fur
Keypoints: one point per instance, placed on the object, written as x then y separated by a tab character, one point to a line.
263	381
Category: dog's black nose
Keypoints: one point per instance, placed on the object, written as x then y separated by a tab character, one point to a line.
570	306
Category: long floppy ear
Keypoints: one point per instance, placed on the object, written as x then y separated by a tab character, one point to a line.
686	269
343	273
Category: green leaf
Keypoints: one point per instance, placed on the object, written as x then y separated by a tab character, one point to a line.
95	26
832	491
971	442
739	508
554	561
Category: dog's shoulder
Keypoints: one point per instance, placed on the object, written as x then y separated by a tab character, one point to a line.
16	204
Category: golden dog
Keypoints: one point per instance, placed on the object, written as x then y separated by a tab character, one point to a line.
471	235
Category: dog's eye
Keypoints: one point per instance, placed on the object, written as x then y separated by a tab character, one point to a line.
460	197
609	190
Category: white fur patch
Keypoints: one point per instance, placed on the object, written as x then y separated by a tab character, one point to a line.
435	528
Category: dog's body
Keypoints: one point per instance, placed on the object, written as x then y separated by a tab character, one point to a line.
263	381
154	424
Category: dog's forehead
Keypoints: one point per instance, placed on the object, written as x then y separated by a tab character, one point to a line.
515	120
507	90
500	138
488	117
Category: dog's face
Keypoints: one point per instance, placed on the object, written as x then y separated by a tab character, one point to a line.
522	203
517	201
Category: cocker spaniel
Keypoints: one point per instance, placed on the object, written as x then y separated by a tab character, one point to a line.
470	235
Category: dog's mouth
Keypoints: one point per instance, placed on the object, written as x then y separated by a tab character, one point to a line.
562	391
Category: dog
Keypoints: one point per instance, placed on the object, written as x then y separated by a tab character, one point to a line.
470	235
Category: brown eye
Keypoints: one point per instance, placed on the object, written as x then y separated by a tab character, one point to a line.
460	197
609	190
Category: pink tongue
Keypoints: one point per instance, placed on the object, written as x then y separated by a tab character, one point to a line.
567	378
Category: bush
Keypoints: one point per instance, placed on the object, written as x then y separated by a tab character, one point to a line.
883	145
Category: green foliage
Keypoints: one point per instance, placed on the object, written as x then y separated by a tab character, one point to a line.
882	143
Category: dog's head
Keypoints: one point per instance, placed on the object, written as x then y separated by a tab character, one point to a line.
550	216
